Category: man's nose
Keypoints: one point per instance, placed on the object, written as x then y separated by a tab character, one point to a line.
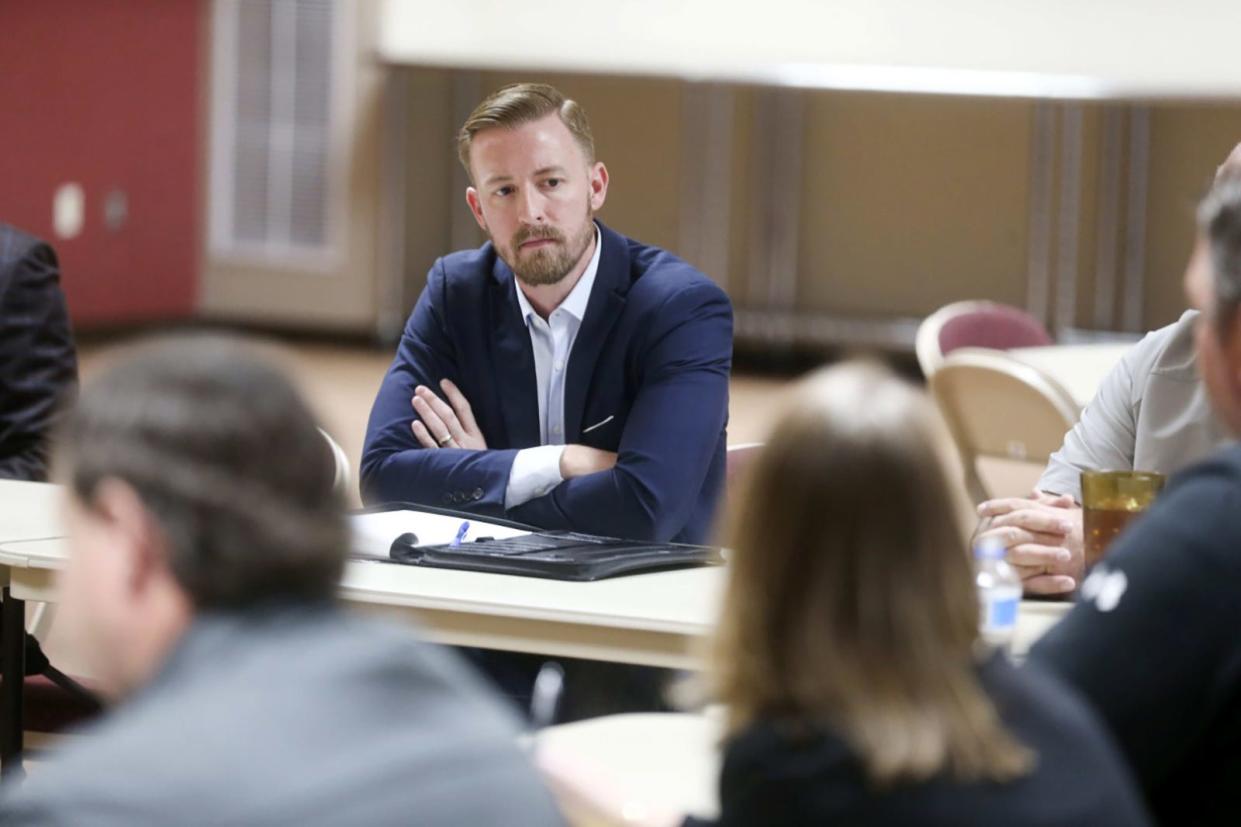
533	206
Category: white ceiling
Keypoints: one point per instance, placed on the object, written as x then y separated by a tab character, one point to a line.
1078	49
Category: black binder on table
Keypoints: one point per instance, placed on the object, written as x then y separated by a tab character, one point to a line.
557	555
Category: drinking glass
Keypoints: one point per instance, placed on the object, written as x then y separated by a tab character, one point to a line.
1110	499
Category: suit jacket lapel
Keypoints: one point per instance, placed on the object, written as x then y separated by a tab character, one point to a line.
515	380
607	299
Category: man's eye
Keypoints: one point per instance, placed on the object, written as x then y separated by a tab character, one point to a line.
552	183
503	191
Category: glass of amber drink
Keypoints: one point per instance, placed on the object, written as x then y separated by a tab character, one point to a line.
1110	499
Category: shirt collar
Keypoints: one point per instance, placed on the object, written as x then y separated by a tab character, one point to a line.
575	303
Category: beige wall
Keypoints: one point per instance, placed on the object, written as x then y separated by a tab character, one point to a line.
1186	144
636	125
905	202
902	203
912	201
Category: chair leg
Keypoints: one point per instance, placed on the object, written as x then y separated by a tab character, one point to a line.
40	622
12	681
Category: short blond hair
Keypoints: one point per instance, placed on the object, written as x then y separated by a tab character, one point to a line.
850	602
520	103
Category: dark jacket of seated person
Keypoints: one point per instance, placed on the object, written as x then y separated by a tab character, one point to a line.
206	550
1153	641
848	653
1154	644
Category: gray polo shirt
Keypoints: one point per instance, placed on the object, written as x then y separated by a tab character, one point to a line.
1150	414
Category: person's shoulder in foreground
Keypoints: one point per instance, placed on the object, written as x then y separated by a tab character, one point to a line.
200	594
38	361
294	717
780	776
1152	643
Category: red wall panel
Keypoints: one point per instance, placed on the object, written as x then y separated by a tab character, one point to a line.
106	93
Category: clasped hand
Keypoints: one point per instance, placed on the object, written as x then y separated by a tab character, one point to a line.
1043	536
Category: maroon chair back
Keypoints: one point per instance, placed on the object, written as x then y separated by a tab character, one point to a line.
996	326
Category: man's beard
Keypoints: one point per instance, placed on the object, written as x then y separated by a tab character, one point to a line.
549	264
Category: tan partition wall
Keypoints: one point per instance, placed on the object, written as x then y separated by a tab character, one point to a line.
911	201
843	218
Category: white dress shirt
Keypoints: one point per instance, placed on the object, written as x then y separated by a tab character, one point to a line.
536	471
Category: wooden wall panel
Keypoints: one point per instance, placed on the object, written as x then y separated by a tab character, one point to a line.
912	202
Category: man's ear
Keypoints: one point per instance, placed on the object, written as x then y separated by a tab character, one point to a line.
598	186
137	538
476	207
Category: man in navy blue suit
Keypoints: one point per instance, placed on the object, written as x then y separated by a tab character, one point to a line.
561	375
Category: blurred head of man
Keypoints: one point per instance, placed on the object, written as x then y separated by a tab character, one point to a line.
197	481
1213	285
530	155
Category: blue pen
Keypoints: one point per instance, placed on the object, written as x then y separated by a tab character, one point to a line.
456	541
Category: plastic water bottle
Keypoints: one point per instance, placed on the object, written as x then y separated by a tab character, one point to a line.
999	595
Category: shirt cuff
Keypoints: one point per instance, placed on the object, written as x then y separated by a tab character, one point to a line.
535	471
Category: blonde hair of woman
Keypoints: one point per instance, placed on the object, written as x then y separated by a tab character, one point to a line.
851	601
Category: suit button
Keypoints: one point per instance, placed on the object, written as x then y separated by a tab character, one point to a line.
459	497
478	493
447	497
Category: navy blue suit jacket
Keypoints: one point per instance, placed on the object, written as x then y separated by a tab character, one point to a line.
653	352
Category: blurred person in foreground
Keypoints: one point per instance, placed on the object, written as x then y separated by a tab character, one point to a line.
207	545
1150	413
848	657
1153	641
38	361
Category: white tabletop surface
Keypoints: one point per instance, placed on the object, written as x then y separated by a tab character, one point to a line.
653	615
1080	368
659	763
29	511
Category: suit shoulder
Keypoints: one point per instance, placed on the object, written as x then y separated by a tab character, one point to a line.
461	276
658	274
466	265
17	246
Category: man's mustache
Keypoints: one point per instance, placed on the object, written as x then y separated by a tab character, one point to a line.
536	234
